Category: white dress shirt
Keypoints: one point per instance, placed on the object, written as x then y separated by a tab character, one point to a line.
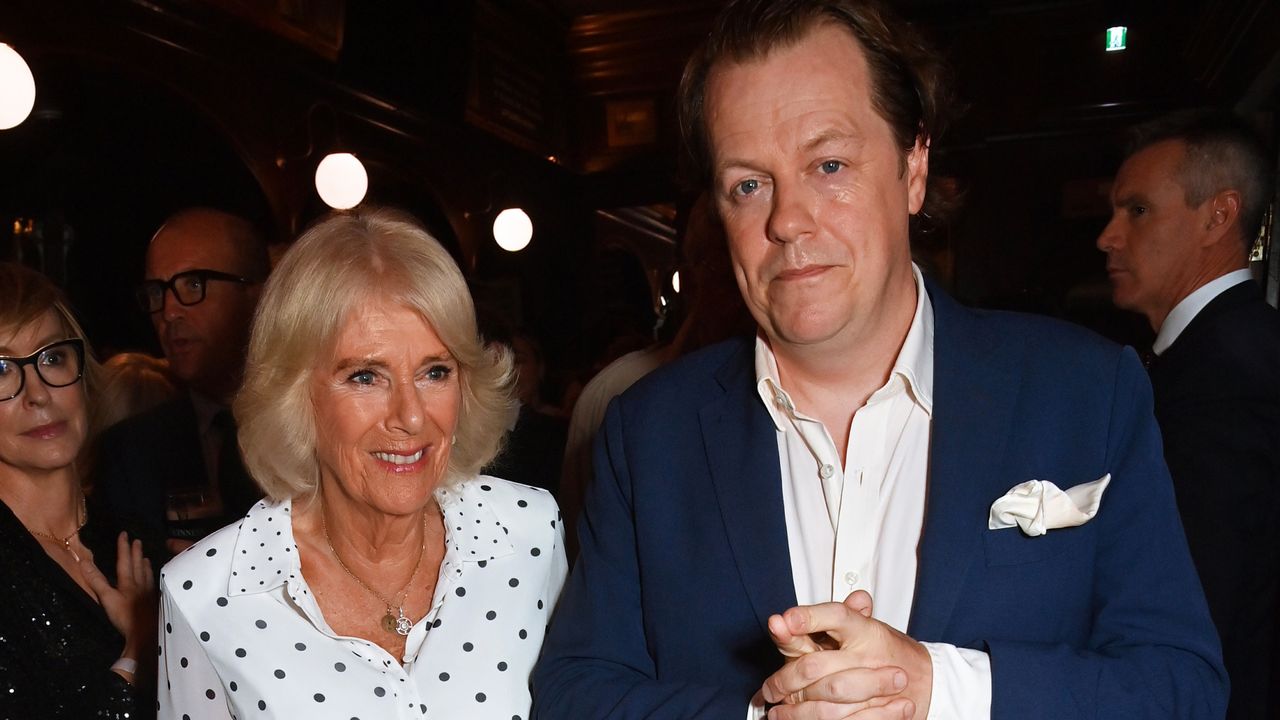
854	522
1184	312
242	635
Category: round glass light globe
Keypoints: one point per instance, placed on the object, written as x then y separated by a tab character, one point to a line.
675	281
17	88
513	229
341	181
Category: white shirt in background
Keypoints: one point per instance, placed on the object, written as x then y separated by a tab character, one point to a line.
1184	312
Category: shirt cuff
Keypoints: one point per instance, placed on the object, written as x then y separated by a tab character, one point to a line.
756	709
961	683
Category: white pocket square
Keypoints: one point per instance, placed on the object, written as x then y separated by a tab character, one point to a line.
1038	506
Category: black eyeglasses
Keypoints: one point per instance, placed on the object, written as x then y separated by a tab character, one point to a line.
188	287
58	364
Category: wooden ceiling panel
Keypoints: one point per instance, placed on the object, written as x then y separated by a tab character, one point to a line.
635	50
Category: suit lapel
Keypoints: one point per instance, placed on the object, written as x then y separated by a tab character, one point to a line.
742	453
975	384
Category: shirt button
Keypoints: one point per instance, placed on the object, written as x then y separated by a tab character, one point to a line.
826	471
851	578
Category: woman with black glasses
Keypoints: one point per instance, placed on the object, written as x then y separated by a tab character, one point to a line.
77	601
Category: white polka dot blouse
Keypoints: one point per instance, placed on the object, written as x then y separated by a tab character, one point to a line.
241	634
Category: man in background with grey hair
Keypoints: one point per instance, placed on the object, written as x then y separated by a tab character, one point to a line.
1188	202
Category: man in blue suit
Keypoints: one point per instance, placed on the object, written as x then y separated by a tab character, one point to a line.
853	449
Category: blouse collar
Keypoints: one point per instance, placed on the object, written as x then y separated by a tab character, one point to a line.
266	554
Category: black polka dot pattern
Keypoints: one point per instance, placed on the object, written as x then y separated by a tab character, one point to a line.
242	625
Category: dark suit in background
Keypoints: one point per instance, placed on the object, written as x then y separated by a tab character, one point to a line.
533	451
145	458
1217	395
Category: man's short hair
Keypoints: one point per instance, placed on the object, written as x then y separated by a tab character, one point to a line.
910	87
1222	153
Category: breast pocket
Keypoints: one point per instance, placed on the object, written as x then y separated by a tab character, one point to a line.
1010	546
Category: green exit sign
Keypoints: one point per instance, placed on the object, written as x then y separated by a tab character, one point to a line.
1116	38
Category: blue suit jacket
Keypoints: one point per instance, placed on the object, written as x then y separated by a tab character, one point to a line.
684	545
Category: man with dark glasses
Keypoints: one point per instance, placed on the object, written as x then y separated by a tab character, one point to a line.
177	468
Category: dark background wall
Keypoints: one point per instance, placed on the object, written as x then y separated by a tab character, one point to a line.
565	108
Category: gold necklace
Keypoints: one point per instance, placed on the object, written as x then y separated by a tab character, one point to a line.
82	518
394	620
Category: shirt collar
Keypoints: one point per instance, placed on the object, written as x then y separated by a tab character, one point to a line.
266	554
472	529
914	363
1184	312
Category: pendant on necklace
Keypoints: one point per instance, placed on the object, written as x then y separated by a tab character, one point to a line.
66	545
389	621
402	624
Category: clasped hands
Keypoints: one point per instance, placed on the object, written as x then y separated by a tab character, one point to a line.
843	663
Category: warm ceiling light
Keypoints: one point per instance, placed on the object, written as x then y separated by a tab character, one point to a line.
675	281
341	181
513	229
17	88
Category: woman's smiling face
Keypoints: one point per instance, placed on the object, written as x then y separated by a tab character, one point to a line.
386	401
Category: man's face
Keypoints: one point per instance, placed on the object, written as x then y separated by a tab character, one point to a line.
1152	237
808	181
205	342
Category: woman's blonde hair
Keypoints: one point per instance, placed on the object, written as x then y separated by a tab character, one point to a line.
132	383
340	263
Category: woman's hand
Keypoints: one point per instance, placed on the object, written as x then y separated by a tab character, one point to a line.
131	605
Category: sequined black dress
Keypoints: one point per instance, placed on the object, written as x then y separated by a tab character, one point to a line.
56	643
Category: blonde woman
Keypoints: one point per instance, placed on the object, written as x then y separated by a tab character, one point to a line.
77	623
382	576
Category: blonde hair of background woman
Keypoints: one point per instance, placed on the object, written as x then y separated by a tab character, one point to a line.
132	383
